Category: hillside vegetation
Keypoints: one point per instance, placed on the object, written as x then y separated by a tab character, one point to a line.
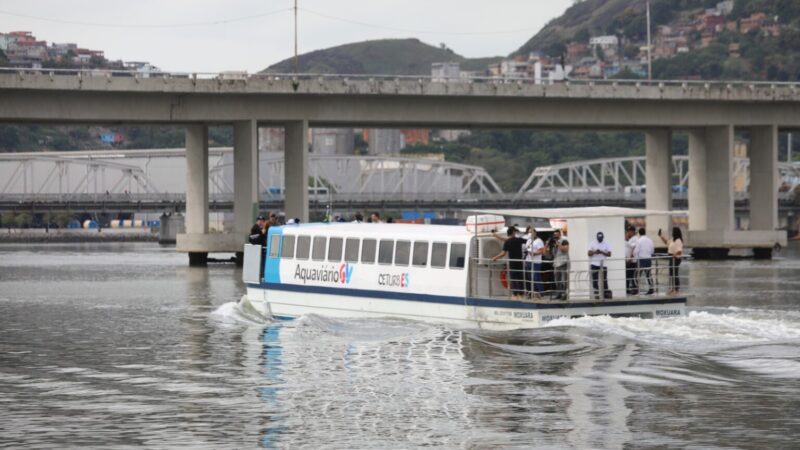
379	57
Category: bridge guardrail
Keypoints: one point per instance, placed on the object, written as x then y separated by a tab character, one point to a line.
235	76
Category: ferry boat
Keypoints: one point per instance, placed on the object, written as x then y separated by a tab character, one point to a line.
443	273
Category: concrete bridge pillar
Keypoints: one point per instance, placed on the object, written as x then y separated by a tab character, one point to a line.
711	179
764	178
711	225
196	219
296	170
658	167
245	177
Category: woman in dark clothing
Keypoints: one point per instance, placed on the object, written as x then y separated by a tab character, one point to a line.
675	250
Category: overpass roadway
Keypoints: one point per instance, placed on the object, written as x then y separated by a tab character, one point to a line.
710	112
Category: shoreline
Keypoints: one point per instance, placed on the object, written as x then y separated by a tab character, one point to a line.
37	235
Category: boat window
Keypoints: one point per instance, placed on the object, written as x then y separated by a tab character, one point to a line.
303	246
385	251
318	250
288	247
457	252
335	249
438	255
368	251
402	253
420	254
351	250
274	245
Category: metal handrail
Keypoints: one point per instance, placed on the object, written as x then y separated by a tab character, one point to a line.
486	276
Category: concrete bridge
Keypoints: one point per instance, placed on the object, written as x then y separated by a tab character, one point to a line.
710	112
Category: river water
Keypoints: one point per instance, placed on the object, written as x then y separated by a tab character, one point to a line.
111	345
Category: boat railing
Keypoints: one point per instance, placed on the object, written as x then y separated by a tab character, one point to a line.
610	279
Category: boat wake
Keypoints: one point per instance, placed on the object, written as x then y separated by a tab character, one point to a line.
232	313
761	342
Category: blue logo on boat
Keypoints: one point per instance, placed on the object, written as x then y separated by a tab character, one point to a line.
345	272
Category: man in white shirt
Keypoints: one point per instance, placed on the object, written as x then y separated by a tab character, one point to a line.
643	251
631	281
536	251
599	251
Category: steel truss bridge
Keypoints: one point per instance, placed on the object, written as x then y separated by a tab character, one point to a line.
154	181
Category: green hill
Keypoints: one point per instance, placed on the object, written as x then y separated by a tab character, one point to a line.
379	57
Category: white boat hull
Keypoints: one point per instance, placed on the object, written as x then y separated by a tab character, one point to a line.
475	313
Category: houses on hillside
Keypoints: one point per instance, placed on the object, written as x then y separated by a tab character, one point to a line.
22	49
608	56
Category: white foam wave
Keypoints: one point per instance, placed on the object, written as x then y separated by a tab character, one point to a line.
232	313
699	331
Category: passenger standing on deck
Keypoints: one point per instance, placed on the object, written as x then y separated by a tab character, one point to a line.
537	250
599	251
643	252
513	248
375	217
560	265
258	233
675	250
631	282
526	251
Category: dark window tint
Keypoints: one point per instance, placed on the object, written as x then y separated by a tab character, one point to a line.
438	254
385	252
274	245
303	247
288	247
351	250
335	249
402	253
318	250
368	251
457	252
420	257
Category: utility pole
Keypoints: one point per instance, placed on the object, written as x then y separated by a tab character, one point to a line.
649	46
296	64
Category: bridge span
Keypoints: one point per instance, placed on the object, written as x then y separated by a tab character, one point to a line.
710	112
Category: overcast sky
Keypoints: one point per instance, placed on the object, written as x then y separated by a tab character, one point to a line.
250	35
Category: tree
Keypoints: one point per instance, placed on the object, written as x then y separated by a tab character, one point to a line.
9	137
23	220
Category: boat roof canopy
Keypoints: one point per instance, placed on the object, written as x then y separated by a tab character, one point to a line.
577	213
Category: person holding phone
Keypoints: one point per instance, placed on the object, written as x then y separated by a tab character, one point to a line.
675	250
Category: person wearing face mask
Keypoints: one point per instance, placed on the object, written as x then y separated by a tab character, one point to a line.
599	251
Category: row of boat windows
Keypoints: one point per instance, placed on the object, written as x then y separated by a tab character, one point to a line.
367	251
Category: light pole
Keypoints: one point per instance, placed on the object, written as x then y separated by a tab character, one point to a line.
649	46
296	64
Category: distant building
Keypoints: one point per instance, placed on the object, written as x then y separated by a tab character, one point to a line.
271	139
725	8
443	71
452	135
382	141
604	41
416	136
576	51
332	141
61	50
608	44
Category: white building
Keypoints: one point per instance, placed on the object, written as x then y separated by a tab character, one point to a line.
383	141
443	71
332	141
604	42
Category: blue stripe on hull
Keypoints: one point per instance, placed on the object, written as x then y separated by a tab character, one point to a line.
449	300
